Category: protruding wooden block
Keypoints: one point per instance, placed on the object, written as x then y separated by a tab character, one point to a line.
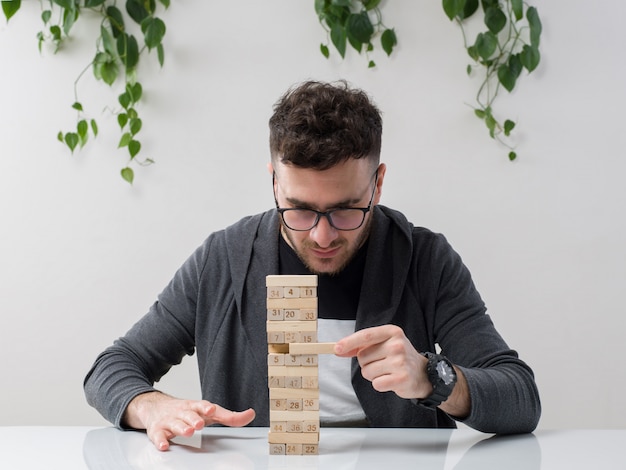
312	348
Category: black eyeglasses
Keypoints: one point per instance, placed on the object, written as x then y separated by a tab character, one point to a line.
345	218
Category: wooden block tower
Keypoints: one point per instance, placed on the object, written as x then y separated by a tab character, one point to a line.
292	378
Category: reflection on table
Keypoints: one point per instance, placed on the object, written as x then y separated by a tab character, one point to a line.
70	448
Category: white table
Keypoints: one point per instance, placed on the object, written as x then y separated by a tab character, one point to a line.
71	448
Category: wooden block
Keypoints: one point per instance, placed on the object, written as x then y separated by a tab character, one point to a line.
310	449
291	314
293	449
276	337
278	381
275	314
290	360
293	382
294	426
278	426
312	426
293	438
310	404
291	393
308	291
311	348
286	280
307	314
291	326
287	371
276	292
310	383
290	416
291	292
277	449
307	302
294	404
278	404
274	359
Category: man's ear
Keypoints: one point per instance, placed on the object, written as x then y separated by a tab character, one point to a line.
270	168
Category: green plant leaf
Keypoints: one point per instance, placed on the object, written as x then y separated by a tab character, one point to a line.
82	129
495	20
469	9
338	38
388	40
128	174
77	106
93	3
486	44
535	26
94	127
165	3
518	9
116	20
71	140
135	126
135	91
359	27
60	136
45	16
508	127
371	4
453	8
128	49
160	54
55	31
134	146
125	140
530	57
125	100
512	155
66	4
480	113
110	71
506	77
10	8
107	41
153	30
371	64
324	50
136	10
122	119
69	18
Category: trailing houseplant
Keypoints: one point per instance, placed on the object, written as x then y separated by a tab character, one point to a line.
499	53
116	58
509	44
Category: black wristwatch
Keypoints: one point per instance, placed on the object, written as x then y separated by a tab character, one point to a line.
443	378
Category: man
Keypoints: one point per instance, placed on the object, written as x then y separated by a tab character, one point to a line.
389	294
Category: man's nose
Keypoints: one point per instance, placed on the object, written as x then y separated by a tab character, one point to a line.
323	233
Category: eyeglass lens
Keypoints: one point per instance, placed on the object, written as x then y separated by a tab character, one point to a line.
342	219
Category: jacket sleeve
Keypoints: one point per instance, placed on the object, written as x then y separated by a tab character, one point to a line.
159	340
504	395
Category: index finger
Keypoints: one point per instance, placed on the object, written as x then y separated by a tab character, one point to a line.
351	345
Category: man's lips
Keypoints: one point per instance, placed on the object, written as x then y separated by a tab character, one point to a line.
328	253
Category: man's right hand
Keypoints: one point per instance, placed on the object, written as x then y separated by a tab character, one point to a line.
164	417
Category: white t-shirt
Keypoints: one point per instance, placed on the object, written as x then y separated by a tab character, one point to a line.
338	401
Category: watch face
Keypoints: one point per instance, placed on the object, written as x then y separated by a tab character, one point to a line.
445	372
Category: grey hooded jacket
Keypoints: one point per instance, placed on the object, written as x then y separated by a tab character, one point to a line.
215	306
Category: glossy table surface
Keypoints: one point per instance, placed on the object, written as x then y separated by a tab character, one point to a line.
340	448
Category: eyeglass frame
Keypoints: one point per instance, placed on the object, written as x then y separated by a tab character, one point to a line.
327	214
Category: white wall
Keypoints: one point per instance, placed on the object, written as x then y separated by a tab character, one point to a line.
83	254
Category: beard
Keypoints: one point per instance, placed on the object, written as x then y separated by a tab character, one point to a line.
328	266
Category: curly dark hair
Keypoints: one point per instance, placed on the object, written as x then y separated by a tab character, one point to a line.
318	125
